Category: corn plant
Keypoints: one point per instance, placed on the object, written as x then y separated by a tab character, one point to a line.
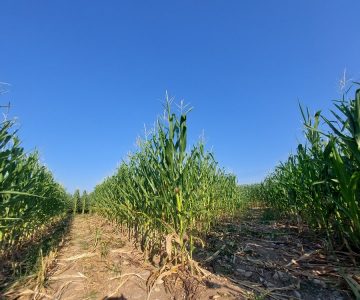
320	183
166	195
30	198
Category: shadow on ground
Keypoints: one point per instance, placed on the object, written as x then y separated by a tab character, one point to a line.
115	298
273	259
24	260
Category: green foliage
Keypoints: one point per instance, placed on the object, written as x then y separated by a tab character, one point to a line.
250	195
168	195
85	203
76	201
321	182
81	203
30	198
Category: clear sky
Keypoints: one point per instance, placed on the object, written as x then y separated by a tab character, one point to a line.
87	75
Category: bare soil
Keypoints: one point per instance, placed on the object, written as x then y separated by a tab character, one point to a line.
278	260
98	262
247	258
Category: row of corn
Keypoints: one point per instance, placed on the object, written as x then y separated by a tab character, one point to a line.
30	198
166	196
320	183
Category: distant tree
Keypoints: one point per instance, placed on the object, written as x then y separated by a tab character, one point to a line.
85	202
76	199
91	203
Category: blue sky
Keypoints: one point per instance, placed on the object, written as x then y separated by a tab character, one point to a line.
87	75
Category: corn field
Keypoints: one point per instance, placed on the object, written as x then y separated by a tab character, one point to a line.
320	183
30	198
168	197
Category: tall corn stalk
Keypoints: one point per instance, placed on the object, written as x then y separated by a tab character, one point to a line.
166	195
30	198
321	182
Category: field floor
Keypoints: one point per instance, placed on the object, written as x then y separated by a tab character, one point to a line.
275	260
248	259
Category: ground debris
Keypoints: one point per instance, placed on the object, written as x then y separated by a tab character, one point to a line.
97	261
243	259
275	261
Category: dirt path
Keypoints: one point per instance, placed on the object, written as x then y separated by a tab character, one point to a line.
98	262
